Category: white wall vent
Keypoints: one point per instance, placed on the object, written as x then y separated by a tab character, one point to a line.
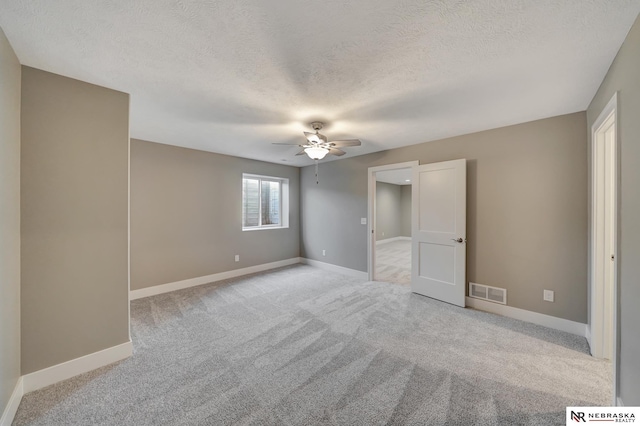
485	292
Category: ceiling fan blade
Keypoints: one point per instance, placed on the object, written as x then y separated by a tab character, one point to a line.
336	151
286	143
312	137
346	142
301	152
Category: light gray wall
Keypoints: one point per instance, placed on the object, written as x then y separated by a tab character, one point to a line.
405	211
74	200
393	211
9	221
526	209
186	215
388	210
623	77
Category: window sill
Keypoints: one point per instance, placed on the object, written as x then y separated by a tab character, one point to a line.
264	228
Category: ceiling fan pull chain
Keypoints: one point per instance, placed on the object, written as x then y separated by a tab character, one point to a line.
316	172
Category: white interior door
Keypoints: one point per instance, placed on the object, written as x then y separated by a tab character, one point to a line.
439	217
604	238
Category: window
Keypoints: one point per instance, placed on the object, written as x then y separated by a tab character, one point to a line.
265	202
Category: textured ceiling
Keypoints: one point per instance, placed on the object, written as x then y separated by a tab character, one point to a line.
233	76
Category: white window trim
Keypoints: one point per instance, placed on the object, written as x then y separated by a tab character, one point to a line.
284	201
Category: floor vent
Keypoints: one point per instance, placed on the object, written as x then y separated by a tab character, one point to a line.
485	292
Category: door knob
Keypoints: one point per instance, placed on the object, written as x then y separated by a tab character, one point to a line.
458	240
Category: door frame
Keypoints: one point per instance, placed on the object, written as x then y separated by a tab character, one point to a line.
596	313
371	215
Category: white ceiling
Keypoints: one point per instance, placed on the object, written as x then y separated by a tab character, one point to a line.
233	76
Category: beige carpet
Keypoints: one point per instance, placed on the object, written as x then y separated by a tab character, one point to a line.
303	346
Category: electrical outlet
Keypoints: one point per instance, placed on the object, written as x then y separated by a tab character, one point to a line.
324	252
547	295
363	221
383	233
237	258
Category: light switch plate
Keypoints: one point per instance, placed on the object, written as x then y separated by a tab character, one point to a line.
363	221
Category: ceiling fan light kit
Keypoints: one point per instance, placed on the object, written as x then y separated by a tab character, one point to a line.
316	152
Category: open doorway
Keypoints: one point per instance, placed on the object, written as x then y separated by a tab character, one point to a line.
390	223
393	226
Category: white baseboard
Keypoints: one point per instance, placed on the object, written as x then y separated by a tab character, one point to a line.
390	240
207	279
66	370
335	268
556	323
587	334
12	406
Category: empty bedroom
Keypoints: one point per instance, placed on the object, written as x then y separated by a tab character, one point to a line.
223	212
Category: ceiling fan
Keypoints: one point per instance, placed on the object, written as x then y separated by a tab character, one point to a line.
318	146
